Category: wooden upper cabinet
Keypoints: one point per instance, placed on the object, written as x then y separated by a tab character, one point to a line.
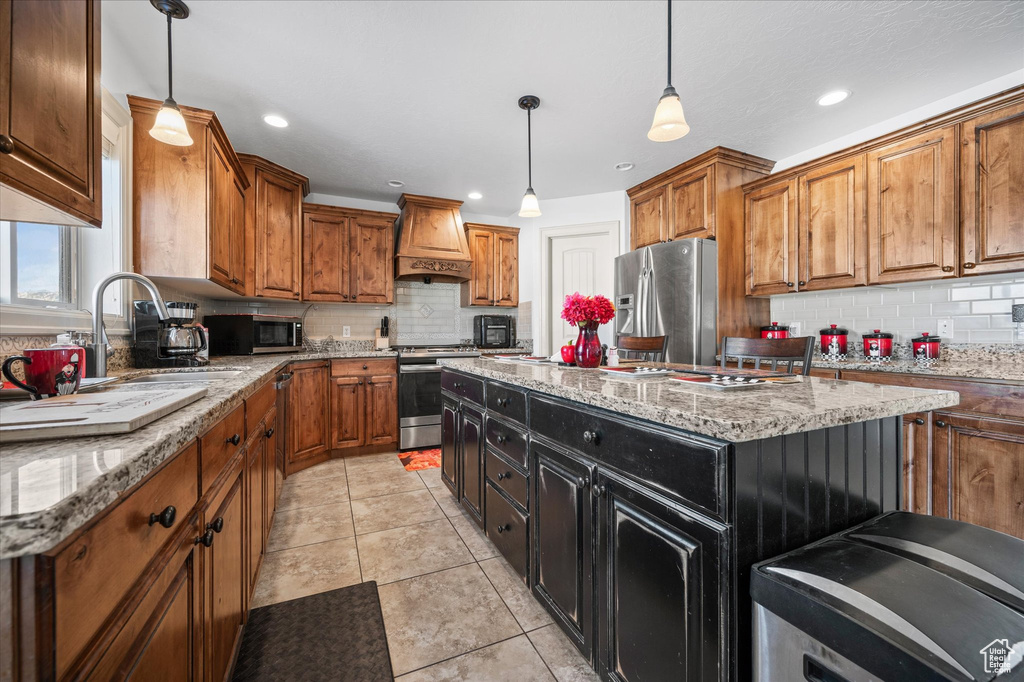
771	249
647	218
912	219
373	253
50	112
273	228
494	275
832	239
348	255
189	202
992	191
692	204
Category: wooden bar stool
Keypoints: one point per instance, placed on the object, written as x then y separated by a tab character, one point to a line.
789	351
646	348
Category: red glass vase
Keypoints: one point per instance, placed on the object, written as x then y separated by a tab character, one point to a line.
588	346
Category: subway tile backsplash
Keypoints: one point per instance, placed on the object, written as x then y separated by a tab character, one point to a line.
978	308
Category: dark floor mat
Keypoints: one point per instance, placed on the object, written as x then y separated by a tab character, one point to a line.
336	635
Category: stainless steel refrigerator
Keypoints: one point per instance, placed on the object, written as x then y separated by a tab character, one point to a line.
670	289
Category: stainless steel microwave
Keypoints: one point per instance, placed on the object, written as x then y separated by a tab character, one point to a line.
250	334
494	331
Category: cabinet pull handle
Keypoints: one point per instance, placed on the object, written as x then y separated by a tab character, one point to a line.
270	432
206	539
364	366
801	282
590	437
919	421
967	266
6	144
217	525
456	385
502	477
164	518
949	268
502	529
502	402
940	423
598	490
582	482
234	440
789	284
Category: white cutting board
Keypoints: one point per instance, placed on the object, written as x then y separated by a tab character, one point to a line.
91	414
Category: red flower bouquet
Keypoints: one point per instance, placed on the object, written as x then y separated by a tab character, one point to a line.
587	312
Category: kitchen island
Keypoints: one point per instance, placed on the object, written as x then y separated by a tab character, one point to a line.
633	509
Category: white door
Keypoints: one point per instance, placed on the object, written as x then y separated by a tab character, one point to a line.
583	262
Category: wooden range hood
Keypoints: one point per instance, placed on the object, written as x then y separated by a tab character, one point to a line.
431	241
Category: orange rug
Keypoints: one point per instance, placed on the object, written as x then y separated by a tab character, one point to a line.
417	460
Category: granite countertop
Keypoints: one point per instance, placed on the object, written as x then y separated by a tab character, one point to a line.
972	368
734	416
49	489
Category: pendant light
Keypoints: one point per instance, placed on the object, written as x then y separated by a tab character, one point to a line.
669	122
170	124
530	207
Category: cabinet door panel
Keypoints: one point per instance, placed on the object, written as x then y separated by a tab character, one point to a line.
647	219
561	518
381	410
269	472
225	581
278	236
506	265
481	250
771	248
221	259
255	455
916	459
992	191
308	408
325	249
692	201
372	260
237	245
449	445
347	412
658	588
912	220
833	226
471	449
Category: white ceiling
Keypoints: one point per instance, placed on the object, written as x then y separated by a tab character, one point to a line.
425	92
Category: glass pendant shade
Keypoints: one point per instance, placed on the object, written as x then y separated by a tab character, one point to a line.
170	125
669	122
530	207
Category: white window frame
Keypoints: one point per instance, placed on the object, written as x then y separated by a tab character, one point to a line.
35	320
8	287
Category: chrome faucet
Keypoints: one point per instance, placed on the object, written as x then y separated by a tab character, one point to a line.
99	334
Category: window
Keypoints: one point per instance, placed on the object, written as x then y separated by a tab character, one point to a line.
39	263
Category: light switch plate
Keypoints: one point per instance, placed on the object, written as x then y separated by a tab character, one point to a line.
945	329
346	331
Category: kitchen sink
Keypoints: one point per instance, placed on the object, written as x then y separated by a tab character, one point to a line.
175	377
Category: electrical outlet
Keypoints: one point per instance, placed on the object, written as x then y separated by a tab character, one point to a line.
794	329
346	331
945	329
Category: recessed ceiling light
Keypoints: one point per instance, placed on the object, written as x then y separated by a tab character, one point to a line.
276	121
476	195
396	183
624	166
834	97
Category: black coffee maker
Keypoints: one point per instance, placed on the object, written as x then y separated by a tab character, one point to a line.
175	342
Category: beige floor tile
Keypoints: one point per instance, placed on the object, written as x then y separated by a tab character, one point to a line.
446	501
302	571
390	555
310	525
516	595
514	660
478	544
383	463
371	483
431	477
312	493
334	468
393	511
562	657
445	614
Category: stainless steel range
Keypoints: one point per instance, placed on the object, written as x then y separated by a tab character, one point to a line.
419	393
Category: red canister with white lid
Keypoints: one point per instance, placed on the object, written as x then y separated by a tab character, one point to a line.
775	331
833	342
926	347
877	345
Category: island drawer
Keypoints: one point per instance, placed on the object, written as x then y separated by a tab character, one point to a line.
686	466
507	440
217	445
463	386
506	528
507	477
362	367
98	568
507	401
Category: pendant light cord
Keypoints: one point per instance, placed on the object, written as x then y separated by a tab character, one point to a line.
670	42
529	149
170	85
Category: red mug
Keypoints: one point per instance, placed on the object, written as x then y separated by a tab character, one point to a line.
49	371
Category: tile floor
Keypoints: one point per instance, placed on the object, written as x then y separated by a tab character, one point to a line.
453	608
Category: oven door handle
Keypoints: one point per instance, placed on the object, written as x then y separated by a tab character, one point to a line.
417	369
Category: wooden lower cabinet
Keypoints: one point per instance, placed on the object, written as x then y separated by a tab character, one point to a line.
381	410
309	422
255	456
270	486
364	404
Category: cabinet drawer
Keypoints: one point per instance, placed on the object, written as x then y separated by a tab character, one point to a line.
507	477
96	571
258	404
218	444
506	401
506	528
507	440
463	386
362	367
686	466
